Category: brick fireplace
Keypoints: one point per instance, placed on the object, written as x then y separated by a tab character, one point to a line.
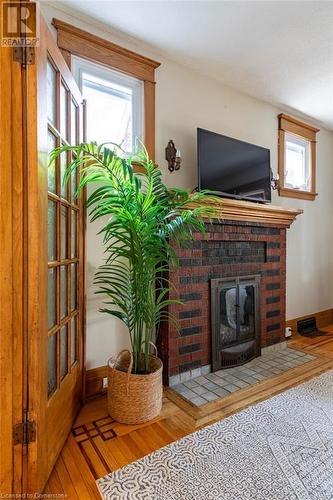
232	248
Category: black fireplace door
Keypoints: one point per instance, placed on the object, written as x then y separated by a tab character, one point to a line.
235	316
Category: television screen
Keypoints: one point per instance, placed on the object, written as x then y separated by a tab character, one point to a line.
233	168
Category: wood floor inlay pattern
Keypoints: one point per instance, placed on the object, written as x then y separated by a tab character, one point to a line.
98	445
100	428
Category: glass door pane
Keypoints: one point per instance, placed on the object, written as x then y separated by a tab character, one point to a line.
63	111
247	311
73	287
74	235
51	298
52	365
228	315
63	185
73	123
74	187
51	144
63	352
63	292
73	340
51	94
63	235
52	231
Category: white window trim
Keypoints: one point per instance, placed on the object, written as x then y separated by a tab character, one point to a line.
80	66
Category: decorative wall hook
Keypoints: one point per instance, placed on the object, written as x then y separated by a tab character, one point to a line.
172	156
275	182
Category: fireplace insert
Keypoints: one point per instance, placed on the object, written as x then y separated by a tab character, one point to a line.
235	320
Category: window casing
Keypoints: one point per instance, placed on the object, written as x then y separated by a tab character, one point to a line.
297	158
114	104
73	41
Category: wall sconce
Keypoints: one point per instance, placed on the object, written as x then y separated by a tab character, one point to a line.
172	156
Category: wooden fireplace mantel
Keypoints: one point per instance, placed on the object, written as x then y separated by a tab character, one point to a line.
229	209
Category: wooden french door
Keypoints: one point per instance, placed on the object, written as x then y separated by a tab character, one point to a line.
55	260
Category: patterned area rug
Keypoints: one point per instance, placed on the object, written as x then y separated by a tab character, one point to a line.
280	449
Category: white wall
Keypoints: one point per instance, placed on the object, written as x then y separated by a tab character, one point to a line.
105	335
196	101
186	100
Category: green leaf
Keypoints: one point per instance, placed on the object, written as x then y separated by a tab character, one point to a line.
142	223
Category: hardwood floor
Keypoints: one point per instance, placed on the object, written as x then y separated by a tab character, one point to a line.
98	445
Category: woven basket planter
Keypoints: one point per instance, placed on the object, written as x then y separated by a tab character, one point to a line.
134	399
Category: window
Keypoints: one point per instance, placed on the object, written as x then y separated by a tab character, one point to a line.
297	163
76	43
297	158
114	104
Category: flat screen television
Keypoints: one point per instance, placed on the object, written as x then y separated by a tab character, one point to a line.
233	168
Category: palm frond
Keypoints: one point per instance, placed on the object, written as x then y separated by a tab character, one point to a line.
143	222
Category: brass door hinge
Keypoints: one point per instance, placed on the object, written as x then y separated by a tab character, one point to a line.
24	432
24	55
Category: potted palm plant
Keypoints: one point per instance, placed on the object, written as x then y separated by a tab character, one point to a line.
143	217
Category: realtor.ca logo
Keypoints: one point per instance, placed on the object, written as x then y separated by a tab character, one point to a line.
19	24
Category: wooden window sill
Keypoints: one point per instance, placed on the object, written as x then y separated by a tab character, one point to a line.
297	193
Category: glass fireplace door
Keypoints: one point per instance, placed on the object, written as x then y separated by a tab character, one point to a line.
235	320
246	301
237	313
228	321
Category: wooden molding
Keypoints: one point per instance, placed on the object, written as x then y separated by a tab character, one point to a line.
94	381
67	56
229	209
323	318
297	193
286	120
149	117
89	46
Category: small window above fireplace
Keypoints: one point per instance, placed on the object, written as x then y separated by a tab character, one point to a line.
297	158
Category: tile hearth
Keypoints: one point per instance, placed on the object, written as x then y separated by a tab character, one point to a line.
206	388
